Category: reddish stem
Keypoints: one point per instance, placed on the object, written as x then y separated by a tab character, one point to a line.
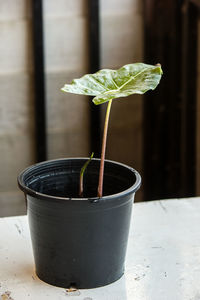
81	186
103	150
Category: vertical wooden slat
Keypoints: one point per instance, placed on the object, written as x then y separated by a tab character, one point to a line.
189	96
94	66
162	107
170	111
39	80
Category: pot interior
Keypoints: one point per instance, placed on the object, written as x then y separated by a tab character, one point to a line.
61	178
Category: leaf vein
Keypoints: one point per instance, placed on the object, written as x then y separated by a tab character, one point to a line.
132	78
99	83
111	75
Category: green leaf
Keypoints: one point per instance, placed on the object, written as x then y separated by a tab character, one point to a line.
109	84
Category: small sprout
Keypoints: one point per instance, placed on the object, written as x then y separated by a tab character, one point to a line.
82	174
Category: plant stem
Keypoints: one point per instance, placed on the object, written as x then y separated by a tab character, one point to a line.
82	174
81	186
103	150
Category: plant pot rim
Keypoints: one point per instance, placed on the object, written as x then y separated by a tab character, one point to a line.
31	192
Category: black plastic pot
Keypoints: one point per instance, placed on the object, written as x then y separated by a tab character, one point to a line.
79	242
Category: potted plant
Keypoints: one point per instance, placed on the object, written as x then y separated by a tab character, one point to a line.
79	209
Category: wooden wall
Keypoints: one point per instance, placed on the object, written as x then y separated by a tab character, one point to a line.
198	116
66	57
16	101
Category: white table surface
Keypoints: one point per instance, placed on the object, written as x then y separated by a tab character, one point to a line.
163	258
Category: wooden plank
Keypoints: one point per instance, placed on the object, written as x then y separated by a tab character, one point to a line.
94	66
169	112
39	81
198	117
189	98
162	108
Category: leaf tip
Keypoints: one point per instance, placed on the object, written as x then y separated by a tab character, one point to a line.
95	101
159	68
